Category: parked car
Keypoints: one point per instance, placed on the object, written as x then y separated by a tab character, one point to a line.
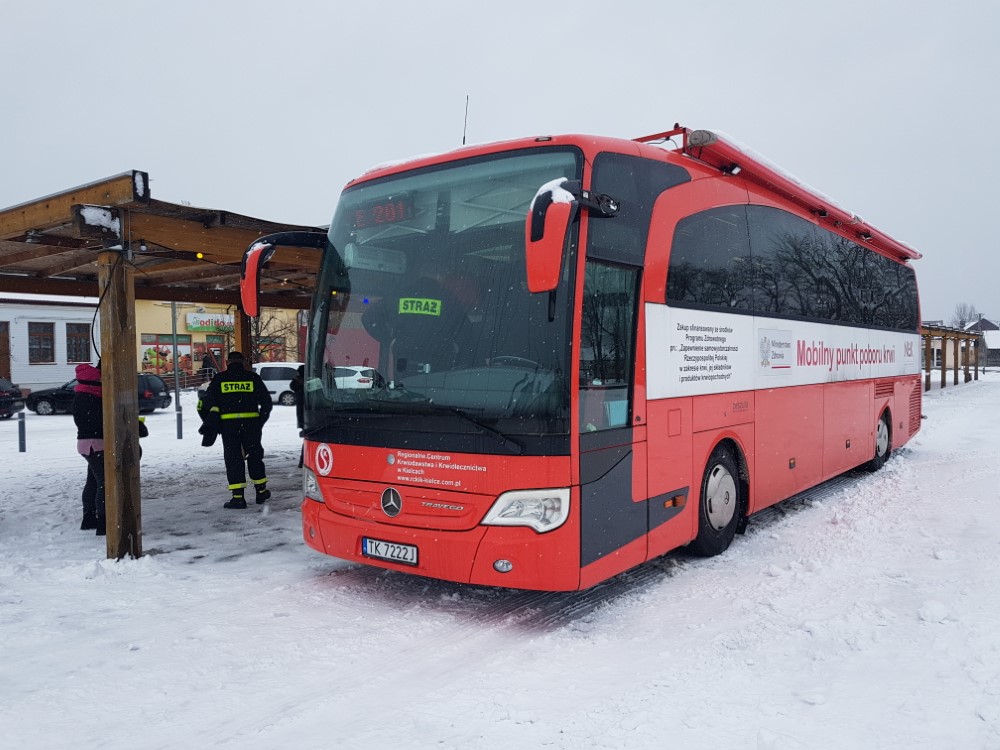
153	394
277	376
10	399
356	377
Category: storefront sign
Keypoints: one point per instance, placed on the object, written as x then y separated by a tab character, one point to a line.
209	322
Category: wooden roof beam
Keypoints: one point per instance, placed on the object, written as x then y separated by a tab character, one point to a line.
203	273
220	243
32	285
78	259
22	252
54	210
67	287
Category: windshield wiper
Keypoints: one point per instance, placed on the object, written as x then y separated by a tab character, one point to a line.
423	408
512	445
420	408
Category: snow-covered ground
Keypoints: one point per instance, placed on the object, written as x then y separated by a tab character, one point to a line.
865	616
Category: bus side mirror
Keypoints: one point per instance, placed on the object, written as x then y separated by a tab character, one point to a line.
253	261
259	253
549	217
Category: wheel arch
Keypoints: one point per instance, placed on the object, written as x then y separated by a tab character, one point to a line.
743	465
878	459
711	537
736	445
885	411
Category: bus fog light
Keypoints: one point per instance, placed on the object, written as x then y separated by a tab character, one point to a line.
542	510
503	566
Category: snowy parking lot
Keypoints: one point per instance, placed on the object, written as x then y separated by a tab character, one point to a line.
866	615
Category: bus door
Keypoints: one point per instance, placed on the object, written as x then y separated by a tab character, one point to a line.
613	513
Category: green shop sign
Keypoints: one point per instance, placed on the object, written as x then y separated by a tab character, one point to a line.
209	322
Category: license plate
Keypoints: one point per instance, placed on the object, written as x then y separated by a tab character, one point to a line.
401	553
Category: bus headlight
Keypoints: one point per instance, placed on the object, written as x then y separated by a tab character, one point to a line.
542	510
310	486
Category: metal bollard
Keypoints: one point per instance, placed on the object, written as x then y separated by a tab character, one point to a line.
21	435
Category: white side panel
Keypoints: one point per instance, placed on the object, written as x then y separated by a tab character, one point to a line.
694	352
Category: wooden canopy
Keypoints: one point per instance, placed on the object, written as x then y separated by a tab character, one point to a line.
50	246
111	240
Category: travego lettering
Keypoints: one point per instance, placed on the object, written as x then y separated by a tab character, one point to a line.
238	386
419	306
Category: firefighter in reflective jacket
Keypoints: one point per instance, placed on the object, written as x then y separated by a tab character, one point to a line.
235	406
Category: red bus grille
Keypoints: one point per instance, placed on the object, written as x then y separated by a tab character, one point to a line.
884	388
915	403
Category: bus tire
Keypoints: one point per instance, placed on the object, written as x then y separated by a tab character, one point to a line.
883	443
720	506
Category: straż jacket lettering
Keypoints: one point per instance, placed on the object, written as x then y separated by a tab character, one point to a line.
234	394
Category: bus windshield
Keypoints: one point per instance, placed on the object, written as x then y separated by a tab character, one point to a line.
423	333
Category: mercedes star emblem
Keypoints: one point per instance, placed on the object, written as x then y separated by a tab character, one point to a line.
392	503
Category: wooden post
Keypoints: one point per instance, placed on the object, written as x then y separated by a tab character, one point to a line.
958	354
979	349
121	406
928	360
944	361
241	335
966	354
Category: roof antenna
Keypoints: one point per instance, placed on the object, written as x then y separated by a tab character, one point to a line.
465	125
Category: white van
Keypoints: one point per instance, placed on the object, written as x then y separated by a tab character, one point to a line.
277	376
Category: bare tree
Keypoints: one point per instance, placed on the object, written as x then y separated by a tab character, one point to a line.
273	337
964	314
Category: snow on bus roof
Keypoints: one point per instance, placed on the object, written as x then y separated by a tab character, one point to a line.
806	187
903	248
699	143
399	162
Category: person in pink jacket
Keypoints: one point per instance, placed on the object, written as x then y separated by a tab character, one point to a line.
88	414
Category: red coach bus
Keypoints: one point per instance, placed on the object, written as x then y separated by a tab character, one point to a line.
580	353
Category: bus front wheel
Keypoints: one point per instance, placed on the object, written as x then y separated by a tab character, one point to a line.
720	506
883	443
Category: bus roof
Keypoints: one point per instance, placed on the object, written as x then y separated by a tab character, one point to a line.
709	148
726	155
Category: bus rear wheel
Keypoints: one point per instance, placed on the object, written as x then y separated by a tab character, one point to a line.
720	505
883	443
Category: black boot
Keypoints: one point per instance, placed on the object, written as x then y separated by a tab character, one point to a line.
89	522
263	495
101	526
236	503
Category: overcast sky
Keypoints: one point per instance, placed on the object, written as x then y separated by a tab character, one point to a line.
889	107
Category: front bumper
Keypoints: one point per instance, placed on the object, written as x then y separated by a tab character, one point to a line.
548	562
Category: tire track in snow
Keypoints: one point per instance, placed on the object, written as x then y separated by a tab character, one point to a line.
457	629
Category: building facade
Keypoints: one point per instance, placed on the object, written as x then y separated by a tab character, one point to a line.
991	335
201	335
42	340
